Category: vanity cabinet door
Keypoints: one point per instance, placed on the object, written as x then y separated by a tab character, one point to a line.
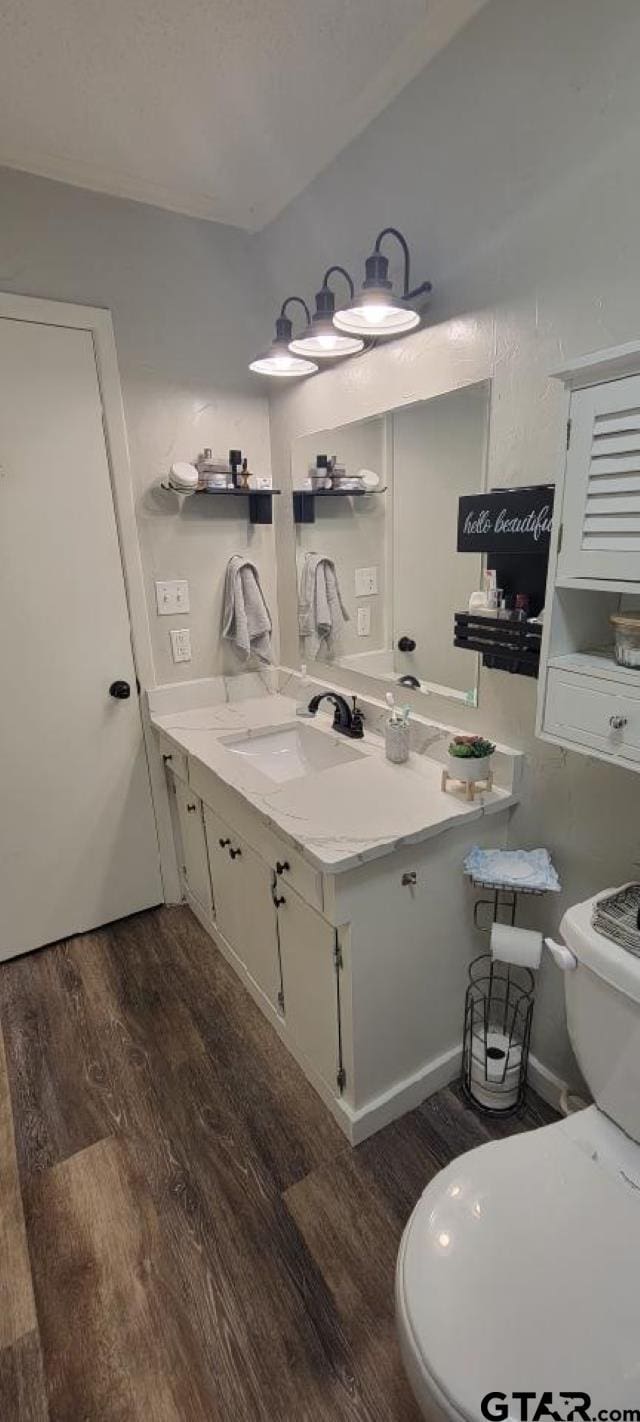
244	908
310	984
195	864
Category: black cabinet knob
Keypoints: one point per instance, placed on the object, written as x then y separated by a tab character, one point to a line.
406	644
235	853
120	690
282	867
279	900
223	843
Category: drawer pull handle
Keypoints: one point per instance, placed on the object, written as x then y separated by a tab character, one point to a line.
167	758
223	843
282	867
279	900
235	853
617	722
409	879
191	809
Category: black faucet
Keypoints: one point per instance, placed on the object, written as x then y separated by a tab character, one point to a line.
346	719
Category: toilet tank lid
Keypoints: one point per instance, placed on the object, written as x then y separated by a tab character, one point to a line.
617	966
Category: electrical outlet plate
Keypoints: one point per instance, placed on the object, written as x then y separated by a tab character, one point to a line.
364	621
366	581
172	597
181	644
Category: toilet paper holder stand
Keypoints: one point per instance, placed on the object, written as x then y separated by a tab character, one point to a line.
503	897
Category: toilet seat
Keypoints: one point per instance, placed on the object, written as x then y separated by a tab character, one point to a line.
520	1270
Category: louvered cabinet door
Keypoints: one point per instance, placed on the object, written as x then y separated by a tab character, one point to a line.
601	514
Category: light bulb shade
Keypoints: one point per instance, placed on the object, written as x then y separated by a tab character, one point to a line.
279	359
321	340
376	311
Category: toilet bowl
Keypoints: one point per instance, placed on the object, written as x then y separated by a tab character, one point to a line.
519	1269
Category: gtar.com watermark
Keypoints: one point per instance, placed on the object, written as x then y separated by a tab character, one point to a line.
558	1406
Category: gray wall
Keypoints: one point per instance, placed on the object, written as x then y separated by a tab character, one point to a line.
186	322
513	165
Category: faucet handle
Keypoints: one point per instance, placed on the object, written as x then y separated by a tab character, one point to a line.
357	719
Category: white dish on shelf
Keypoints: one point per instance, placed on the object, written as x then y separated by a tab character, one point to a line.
183	475
369	479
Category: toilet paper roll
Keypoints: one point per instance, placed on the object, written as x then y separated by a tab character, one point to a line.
521	946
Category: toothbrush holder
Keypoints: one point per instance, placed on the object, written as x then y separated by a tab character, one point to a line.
397	738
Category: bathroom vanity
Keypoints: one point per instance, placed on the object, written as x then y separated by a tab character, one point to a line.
332	882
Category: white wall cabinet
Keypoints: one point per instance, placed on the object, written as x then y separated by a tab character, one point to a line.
586	701
194	860
601	516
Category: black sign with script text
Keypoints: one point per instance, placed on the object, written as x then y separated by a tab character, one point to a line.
506	520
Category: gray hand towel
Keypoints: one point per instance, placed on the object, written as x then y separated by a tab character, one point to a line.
246	620
321	611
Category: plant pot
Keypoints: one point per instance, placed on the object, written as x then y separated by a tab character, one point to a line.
469	768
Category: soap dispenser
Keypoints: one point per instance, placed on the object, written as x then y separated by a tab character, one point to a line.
305	692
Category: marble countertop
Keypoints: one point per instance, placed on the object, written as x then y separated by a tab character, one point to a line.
337	818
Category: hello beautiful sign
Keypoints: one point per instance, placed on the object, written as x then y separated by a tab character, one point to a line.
508	520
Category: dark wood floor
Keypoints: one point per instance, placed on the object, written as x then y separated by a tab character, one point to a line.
184	1232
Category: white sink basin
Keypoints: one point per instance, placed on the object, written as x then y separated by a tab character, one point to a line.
289	752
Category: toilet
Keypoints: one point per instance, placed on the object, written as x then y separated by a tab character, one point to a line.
519	1269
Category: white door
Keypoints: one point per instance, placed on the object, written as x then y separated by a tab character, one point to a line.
78	844
601	513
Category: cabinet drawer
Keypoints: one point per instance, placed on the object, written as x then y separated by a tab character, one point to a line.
588	710
246	822
174	760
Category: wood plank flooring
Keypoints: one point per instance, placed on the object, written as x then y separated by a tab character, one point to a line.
185	1235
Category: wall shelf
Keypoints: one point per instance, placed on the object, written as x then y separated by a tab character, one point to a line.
507	643
260	500
304	500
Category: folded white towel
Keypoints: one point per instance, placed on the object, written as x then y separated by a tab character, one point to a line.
246	620
321	611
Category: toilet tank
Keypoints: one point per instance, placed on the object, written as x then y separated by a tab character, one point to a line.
603	1016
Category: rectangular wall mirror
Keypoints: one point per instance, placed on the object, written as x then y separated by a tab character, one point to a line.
391	544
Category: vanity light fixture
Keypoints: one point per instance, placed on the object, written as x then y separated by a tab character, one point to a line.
376	311
280	360
322	340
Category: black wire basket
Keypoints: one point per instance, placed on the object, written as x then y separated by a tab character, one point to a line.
497	1028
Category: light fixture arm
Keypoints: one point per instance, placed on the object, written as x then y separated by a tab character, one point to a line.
417	290
287	302
343	272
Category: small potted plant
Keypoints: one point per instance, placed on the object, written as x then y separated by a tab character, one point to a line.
470	758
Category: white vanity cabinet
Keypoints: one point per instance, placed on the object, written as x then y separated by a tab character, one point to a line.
312	969
245	913
586	701
194	859
361	970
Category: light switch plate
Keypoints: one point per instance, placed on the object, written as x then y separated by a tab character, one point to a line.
172	597
366	580
181	644
364	621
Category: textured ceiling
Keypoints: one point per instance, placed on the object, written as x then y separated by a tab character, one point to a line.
223	109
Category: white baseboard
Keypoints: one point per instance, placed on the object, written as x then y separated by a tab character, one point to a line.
405	1095
547	1084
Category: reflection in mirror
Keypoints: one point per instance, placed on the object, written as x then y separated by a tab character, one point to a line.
379	577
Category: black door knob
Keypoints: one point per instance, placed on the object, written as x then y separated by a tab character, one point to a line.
120	689
406	644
